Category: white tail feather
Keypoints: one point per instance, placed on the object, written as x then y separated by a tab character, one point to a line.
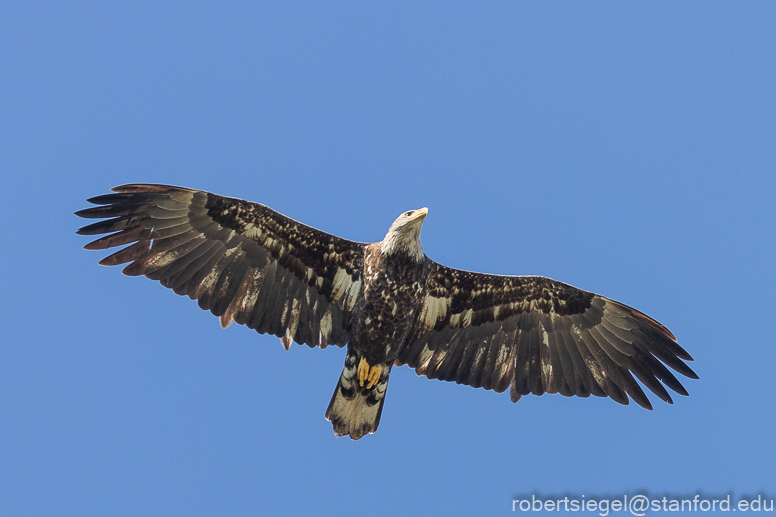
353	416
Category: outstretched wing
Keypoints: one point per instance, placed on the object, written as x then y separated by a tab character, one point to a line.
539	336
242	261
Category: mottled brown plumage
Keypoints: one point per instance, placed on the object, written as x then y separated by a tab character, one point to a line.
387	301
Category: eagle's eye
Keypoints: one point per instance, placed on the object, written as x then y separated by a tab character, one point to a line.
407	214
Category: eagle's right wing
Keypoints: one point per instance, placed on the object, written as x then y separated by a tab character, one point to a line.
242	261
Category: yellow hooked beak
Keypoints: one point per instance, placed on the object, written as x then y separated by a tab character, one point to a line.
419	214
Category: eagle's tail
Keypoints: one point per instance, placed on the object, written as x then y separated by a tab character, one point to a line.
357	402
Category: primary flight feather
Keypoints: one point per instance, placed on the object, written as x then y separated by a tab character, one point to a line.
387	301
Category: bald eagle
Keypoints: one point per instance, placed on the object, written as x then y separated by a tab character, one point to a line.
387	301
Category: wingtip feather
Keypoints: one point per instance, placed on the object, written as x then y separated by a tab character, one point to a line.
226	319
148	187
652	323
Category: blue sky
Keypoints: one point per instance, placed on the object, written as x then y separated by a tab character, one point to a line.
625	148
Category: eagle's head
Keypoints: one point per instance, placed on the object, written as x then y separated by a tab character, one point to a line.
404	235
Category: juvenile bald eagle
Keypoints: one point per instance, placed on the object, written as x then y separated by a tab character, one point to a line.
387	301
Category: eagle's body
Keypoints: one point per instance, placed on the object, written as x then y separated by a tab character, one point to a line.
394	284
393	288
387	301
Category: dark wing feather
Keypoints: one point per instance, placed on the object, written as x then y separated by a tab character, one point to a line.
539	336
242	261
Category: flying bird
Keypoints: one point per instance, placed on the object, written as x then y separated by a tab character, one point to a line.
387	301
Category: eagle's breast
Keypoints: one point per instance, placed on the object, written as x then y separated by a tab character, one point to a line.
393	288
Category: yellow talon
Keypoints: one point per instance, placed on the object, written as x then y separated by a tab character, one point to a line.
368	374
363	371
374	376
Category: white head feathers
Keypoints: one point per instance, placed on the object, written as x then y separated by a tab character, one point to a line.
404	235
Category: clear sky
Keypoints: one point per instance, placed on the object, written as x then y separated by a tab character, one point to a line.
625	148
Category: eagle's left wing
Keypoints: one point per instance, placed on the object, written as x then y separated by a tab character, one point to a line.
242	261
538	335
